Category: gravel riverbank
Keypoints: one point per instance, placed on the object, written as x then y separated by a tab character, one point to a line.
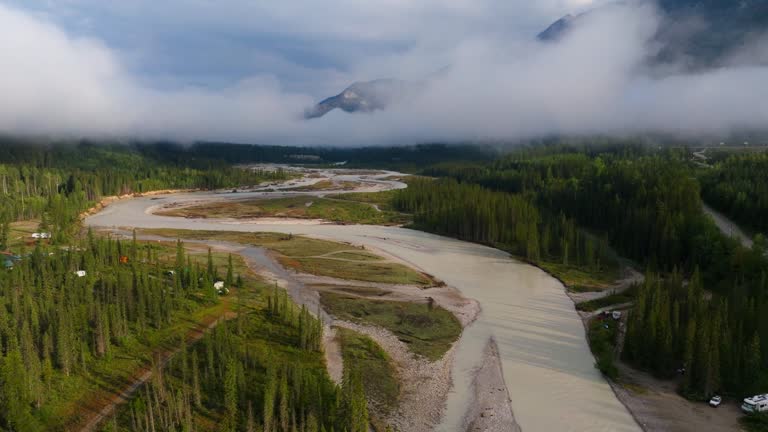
424	384
490	408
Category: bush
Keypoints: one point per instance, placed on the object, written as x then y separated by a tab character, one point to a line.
606	365
602	343
755	422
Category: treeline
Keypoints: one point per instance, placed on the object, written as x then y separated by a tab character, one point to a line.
56	183
738	187
718	343
646	205
508	221
402	158
266	374
64	312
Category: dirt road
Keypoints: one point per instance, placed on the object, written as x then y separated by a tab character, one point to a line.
658	407
102	408
727	226
629	278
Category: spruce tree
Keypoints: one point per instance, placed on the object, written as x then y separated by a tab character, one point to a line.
230	279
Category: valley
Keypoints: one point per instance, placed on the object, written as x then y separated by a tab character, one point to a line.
477	295
522	308
384	216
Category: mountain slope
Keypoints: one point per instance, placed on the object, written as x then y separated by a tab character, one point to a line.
696	33
557	29
367	96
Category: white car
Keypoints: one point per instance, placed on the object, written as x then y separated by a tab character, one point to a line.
715	401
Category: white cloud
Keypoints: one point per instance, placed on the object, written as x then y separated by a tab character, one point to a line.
498	86
52	82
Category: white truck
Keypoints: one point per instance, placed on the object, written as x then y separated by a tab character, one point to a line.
755	404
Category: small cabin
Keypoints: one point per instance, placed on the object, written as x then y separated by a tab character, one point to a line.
80	273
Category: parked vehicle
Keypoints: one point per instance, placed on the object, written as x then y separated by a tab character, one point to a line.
715	401
755	404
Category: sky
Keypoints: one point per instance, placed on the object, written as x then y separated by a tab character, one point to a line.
245	71
310	46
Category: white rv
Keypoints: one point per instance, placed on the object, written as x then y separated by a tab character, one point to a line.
220	288
755	404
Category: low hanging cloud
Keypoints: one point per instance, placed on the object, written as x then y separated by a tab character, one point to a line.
56	84
595	80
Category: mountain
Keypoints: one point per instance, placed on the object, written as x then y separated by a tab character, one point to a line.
704	33
697	33
367	96
557	29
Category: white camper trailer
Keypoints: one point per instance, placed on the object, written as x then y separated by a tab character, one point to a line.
755	404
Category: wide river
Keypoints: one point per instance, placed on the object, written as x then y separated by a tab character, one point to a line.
547	365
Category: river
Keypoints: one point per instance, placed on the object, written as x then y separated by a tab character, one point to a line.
546	361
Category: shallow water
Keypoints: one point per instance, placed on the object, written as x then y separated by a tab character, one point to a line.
547	365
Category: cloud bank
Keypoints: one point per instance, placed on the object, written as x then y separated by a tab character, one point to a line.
499	85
